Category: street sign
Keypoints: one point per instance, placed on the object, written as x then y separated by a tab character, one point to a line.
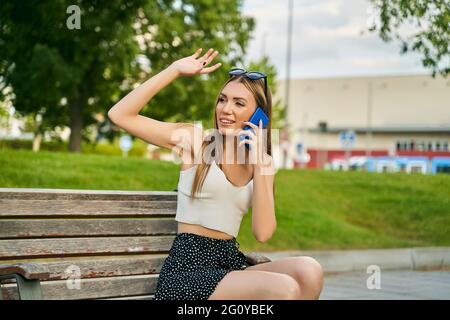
347	138
125	144
301	155
305	158
299	147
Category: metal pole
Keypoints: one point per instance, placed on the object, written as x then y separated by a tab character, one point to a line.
369	120
263	49
288	73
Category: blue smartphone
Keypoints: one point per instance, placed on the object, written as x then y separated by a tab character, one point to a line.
256	116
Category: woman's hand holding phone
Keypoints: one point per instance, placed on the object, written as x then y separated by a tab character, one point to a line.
258	142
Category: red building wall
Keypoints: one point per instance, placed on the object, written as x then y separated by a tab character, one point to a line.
320	157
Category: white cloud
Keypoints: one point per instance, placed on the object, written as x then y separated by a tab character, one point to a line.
326	40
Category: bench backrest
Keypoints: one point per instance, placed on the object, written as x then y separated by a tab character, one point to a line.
115	241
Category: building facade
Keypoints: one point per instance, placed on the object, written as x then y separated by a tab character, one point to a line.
344	121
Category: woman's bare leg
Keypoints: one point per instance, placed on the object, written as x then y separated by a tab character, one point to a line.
305	270
256	285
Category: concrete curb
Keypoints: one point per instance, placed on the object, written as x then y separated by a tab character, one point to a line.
357	260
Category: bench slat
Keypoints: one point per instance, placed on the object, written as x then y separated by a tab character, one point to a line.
83	208
28	270
79	194
26	228
91	288
96	267
25	248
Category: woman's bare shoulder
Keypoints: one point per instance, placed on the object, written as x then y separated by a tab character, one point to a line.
187	141
189	133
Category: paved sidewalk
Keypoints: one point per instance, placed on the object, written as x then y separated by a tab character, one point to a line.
394	285
401	272
386	259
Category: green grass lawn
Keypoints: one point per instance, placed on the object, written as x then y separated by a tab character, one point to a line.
315	209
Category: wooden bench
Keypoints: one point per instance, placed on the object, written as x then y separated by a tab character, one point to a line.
85	244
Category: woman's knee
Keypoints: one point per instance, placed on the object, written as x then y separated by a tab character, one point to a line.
309	273
286	288
279	286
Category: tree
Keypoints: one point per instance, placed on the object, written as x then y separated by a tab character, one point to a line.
170	30
67	75
60	73
429	24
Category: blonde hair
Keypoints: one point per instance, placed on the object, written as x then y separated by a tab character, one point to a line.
256	87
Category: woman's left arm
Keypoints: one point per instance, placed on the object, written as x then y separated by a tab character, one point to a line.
263	203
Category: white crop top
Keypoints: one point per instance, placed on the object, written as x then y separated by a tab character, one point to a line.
219	205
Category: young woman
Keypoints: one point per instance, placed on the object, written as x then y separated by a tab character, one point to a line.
215	190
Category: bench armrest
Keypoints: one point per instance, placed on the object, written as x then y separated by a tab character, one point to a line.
30	271
253	258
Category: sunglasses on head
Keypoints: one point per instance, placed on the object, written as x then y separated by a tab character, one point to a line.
252	75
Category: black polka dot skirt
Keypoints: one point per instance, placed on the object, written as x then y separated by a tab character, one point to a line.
195	266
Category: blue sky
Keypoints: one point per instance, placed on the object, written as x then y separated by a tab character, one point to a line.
327	40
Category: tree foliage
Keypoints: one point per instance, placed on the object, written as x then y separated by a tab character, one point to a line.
421	26
68	75
175	30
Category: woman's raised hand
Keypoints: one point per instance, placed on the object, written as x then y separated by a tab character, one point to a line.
195	64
